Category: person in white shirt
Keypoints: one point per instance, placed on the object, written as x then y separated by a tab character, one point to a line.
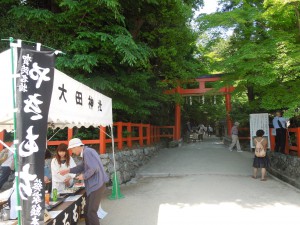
280	125
62	161
7	165
210	130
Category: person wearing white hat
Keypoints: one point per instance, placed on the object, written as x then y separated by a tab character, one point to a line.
92	172
235	138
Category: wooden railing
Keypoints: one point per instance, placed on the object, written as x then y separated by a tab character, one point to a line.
125	135
292	140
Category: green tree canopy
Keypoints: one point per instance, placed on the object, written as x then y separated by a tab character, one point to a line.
261	56
124	49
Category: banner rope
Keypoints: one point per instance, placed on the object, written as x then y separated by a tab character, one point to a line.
19	41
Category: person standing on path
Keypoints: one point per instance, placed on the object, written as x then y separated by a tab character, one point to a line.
279	124
94	176
201	132
261	162
210	130
235	138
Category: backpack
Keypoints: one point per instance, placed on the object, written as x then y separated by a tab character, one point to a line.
259	149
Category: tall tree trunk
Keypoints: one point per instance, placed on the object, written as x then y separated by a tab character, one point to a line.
296	4
137	27
250	93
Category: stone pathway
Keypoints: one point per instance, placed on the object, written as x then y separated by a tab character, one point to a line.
202	184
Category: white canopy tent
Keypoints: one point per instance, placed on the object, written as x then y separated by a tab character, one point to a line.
72	103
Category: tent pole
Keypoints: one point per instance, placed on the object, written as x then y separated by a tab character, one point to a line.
113	148
116	193
15	128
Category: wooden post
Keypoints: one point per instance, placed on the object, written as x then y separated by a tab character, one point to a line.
141	133
102	138
129	137
148	134
120	135
152	134
228	109
70	135
298	141
2	139
287	143
177	122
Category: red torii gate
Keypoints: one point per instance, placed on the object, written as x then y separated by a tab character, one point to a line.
201	90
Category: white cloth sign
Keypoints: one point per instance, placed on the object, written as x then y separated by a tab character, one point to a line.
72	103
259	121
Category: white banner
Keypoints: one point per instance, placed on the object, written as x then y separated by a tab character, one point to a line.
72	103
259	121
75	104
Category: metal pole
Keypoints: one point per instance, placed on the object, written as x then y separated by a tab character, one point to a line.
15	128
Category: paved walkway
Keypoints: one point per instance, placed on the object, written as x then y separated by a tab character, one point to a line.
202	184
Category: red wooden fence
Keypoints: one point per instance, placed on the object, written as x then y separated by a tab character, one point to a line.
146	134
126	135
294	145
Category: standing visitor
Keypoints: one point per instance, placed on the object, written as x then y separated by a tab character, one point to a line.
92	172
235	138
201	132
261	160
210	130
279	124
62	161
188	127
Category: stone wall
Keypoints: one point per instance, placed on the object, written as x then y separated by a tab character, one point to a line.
127	163
285	167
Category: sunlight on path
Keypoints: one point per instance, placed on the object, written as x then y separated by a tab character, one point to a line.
227	213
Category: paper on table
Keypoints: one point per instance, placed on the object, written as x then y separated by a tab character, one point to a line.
72	198
54	214
101	213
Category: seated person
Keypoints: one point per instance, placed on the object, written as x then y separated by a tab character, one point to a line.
194	136
7	165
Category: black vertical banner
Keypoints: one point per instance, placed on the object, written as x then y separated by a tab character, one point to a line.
33	94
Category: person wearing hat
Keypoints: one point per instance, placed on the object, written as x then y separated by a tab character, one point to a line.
92	172
235	137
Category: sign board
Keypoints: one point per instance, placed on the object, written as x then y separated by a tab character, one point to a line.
259	121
